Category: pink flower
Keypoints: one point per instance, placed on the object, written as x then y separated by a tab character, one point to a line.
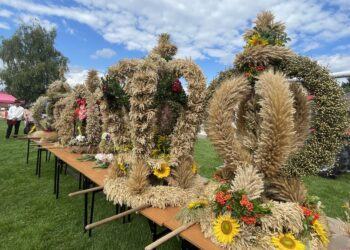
310	97
82	112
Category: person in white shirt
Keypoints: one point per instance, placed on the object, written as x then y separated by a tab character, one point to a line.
14	117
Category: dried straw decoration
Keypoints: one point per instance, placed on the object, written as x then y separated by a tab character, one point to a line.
140	79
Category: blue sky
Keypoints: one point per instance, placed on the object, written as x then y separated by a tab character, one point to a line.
96	34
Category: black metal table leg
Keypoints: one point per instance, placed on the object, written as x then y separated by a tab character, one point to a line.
117	208
79	180
86	197
55	176
92	210
58	179
28	146
153	228
123	210
37	162
39	166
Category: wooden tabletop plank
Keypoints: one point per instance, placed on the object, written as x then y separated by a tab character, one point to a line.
158	215
96	175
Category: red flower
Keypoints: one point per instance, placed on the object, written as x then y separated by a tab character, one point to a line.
246	203
307	212
81	102
249	220
221	197
76	113
176	86
316	216
260	68
310	97
229	207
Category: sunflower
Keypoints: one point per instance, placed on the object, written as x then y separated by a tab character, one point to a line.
194	168
256	39
225	228
287	242
197	204
162	170
318	227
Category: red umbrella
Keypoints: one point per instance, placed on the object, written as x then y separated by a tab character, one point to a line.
6	98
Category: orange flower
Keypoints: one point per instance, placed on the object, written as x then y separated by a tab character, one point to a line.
246	203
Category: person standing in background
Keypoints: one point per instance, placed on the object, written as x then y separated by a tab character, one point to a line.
14	117
28	119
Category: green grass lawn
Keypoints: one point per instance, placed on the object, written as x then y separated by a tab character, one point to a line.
31	217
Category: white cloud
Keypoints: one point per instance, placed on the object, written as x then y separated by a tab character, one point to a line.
342	47
103	53
335	63
311	46
200	29
77	75
4	25
27	18
5	13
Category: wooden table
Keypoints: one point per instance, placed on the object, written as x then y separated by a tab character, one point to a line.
160	217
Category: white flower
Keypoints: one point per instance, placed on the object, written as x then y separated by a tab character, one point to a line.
80	138
104	157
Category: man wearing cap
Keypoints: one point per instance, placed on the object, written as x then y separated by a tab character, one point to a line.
14	117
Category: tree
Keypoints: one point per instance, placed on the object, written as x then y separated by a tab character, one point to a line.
31	62
346	85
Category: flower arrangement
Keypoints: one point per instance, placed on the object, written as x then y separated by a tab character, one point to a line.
79	140
103	160
80	111
238	205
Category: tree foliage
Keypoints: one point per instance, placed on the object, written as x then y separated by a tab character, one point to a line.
346	85
31	61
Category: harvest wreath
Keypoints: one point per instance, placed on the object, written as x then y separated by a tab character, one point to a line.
259	202
158	169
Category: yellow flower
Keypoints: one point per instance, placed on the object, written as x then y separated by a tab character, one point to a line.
32	130
197	204
225	228
194	168
122	167
287	242
257	40
318	227
162	170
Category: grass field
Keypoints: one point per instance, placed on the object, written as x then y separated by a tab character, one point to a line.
31	217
